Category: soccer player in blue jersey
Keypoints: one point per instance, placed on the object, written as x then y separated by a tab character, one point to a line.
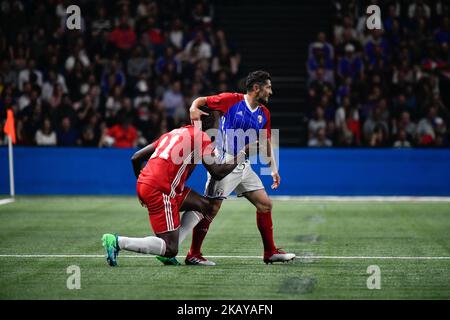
246	112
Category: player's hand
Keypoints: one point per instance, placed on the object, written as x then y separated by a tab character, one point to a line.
195	113
276	180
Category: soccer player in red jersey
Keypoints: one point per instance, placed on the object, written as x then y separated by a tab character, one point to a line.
244	113
160	188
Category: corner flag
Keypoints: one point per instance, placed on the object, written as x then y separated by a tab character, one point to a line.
9	128
10	131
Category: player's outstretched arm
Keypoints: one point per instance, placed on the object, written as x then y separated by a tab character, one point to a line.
140	156
219	171
194	112
221	102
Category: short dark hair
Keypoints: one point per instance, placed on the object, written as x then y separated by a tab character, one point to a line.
209	121
256	77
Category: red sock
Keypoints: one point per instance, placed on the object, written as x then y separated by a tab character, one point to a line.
265	226
198	235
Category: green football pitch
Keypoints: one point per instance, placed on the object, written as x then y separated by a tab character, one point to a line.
336	242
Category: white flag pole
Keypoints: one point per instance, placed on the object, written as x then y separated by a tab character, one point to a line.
11	168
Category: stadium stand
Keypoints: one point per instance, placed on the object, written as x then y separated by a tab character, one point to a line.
133	69
126	77
385	87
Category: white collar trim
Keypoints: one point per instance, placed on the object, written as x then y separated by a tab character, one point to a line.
248	105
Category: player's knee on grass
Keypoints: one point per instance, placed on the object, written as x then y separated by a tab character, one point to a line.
171	240
171	249
264	206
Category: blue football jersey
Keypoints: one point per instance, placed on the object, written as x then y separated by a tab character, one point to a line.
239	124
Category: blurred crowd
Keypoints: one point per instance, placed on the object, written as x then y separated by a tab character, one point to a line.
129	75
381	88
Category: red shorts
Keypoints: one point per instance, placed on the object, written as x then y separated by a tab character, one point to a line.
164	211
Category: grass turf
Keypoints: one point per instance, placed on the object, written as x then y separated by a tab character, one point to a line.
74	225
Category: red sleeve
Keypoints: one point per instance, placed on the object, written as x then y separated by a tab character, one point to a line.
267	125
224	101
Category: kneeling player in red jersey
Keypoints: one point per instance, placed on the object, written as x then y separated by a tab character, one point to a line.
160	188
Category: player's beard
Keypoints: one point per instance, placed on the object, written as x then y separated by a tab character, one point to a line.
263	100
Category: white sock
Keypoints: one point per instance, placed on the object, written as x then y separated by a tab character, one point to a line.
148	245
188	221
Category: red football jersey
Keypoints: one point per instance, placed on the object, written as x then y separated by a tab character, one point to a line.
175	156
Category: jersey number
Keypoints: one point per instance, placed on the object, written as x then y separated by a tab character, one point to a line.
165	153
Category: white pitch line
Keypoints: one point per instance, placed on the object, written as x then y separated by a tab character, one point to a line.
223	257
6	201
362	198
365	258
